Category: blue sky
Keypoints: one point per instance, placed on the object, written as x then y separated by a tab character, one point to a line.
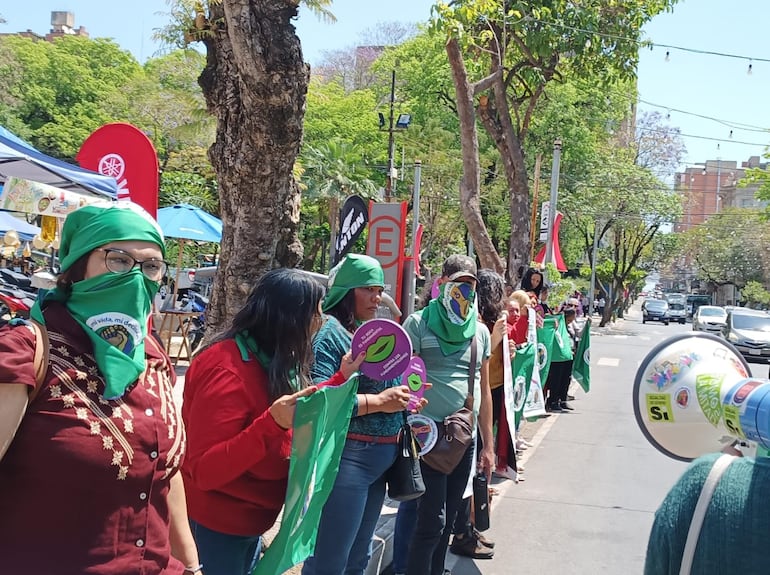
706	85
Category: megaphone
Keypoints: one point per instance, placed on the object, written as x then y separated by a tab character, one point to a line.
693	394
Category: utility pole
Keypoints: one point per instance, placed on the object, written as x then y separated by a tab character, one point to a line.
591	292
410	275
389	189
554	197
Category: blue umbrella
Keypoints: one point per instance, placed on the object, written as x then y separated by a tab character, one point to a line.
19	159
186	222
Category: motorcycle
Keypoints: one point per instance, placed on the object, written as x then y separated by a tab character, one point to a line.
195	302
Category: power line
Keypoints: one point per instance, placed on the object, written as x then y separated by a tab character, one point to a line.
735	125
651	45
728	140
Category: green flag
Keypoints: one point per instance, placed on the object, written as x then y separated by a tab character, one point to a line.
561	350
581	367
320	428
523	366
545	337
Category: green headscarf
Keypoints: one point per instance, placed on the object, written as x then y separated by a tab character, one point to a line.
97	224
354	271
112	308
453	326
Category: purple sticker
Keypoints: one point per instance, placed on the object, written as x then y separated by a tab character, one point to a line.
414	378
387	347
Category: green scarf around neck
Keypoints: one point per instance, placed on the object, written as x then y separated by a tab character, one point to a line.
451	329
113	310
247	344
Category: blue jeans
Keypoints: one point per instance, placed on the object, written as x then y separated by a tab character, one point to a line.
406	519
348	520
223	554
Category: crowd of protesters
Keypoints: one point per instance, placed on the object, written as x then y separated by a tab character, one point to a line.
159	489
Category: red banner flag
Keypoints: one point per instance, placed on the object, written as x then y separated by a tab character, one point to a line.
124	152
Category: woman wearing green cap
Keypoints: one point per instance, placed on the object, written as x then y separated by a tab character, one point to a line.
351	512
89	456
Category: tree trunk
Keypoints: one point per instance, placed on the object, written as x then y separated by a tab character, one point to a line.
470	183
255	83
496	119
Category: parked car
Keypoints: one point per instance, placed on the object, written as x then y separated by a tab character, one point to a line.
749	331
709	318
655	310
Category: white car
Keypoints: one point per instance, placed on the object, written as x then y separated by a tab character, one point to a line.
709	318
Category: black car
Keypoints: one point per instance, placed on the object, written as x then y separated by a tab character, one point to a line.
655	310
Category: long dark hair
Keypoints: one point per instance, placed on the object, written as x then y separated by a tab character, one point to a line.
526	281
491	296
345	311
279	314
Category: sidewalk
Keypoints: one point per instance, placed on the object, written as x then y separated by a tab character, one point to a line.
532	431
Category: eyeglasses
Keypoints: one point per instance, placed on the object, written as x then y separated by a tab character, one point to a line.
120	262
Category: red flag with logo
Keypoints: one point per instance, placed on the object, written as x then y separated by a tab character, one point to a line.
124	152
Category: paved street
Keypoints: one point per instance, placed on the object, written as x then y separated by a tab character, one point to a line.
593	482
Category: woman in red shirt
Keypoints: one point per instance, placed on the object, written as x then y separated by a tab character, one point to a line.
239	400
89	452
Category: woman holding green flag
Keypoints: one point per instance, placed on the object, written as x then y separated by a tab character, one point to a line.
94	444
239	400
354	505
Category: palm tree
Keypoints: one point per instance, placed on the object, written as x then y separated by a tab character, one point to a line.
333	171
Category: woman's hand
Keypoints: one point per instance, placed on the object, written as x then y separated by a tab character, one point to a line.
349	366
392	400
421	402
498	331
283	408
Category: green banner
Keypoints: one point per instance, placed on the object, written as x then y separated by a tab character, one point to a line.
561	350
320	427
545	337
581	367
522	368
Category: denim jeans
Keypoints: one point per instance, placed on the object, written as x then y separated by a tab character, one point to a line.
348	520
402	534
224	554
436	511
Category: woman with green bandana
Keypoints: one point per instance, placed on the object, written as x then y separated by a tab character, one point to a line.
239	400
442	334
89	456
351	512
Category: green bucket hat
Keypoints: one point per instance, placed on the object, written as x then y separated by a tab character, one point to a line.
100	223
354	271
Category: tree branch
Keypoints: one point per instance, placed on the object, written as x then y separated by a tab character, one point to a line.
486	83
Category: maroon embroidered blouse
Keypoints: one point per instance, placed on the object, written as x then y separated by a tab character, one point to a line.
83	485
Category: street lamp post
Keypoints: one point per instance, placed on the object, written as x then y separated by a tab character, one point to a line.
391	140
393	125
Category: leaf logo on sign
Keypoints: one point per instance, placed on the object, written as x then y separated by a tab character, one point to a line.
707	388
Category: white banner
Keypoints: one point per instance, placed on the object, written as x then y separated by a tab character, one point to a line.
545	212
34	198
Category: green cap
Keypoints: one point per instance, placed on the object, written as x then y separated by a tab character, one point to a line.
100	223
354	271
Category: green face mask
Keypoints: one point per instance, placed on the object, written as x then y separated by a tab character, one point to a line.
113	310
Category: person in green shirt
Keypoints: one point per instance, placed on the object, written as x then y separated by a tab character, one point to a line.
736	526
442	334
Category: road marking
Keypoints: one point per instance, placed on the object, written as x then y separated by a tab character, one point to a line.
644	338
608	361
620	336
